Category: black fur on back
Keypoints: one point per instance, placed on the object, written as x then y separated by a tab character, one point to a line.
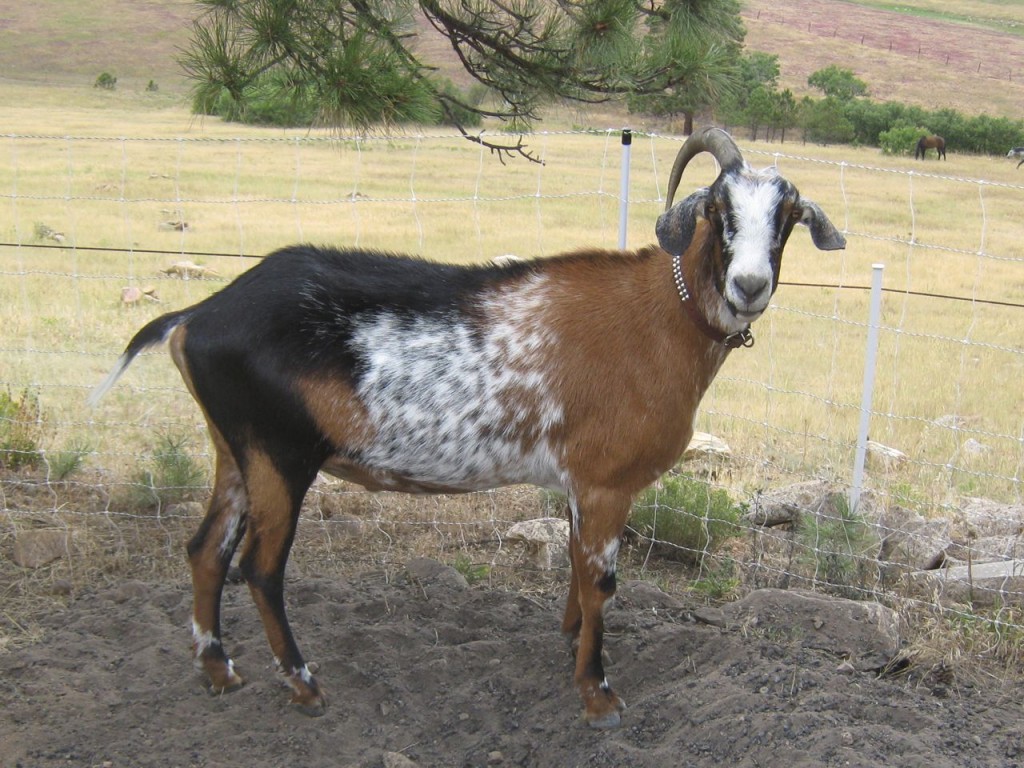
302	303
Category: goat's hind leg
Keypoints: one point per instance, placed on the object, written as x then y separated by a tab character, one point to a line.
275	498
209	553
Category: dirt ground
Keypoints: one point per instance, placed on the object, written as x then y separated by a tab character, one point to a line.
450	675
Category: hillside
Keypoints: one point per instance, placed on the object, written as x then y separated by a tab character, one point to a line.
953	60
963	54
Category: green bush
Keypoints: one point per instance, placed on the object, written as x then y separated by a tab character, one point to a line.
901	139
472	572
884	124
824	122
170	476
106	81
21	430
686	517
839	548
63	464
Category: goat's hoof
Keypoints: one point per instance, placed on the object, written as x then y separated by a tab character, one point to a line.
314	706
307	696
606	713
222	677
611	720
215	690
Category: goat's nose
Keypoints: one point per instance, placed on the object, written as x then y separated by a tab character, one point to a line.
749	287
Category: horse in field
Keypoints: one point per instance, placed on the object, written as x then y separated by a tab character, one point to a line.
930	142
1017	152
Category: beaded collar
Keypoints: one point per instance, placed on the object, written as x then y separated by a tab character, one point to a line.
742	338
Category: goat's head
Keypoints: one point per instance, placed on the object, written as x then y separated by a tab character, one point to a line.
751	214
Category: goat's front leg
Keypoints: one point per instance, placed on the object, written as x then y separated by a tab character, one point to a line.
598	522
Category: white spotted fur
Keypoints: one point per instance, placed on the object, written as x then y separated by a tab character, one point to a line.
436	394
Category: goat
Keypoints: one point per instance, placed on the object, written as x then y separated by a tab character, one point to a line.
930	142
580	373
1017	152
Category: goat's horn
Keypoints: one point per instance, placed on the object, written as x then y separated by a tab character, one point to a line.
713	140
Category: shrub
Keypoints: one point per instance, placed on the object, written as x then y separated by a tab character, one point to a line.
901	139
840	548
152	87
63	464
21	430
106	81
171	475
472	572
825	123
686	517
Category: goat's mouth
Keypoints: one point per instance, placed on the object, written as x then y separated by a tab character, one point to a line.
747	315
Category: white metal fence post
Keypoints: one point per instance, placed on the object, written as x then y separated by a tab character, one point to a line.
627	140
870	361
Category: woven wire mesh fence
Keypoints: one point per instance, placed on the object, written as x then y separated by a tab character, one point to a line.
103	233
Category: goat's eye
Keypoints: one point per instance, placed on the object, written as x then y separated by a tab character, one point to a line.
712	209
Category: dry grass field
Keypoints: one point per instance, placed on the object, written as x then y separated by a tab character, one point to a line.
945	229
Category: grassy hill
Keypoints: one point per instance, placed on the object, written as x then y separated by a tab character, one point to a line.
964	54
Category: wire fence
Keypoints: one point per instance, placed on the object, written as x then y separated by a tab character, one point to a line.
103	233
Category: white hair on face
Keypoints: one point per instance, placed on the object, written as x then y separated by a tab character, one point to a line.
754	200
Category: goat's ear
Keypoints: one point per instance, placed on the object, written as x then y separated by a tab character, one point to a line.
825	236
675	226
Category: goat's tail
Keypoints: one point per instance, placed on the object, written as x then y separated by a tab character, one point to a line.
153	333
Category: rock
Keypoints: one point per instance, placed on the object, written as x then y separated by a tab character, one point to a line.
397	760
186	509
984	517
883	458
704	445
787	505
864	633
36	548
428	571
187	270
714	617
987	549
546	540
133	294
912	541
978	584
973	449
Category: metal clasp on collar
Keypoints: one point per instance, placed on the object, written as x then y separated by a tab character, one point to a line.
742	338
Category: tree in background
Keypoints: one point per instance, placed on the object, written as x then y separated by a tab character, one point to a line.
838	83
756	102
698	62
827	121
367	62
